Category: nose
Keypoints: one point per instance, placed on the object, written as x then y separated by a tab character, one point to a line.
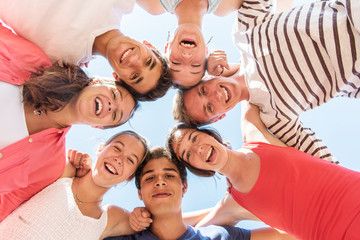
134	60
197	149
119	161
186	55
160	182
112	106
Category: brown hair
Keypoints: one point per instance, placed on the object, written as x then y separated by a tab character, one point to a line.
160	152
211	132
180	112
164	82
50	89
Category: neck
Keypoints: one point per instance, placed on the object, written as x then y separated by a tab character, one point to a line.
189	11
36	123
101	41
245	94
168	226
80	189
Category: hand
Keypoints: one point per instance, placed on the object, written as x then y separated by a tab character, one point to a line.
216	63
140	218
81	161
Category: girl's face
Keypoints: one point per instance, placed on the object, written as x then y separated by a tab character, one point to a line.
118	160
104	105
199	149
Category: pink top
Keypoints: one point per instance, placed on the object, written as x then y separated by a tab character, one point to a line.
303	195
32	163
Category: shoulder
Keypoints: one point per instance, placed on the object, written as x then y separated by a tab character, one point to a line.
224	232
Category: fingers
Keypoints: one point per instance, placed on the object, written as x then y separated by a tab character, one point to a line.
79	159
139	219
217	61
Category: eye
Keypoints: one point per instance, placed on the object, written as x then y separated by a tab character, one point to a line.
194	139
131	161
202	89
196	65
134	76
149	179
169	176
188	155
209	107
114	116
148	62
117	149
175	63
114	95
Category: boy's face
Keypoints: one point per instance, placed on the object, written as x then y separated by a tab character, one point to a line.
187	54
161	187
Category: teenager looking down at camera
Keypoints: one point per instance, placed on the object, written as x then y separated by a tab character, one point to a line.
41	102
285	188
291	62
74	31
71	207
162	183
187	51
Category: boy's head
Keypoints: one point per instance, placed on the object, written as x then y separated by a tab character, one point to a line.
187	55
161	182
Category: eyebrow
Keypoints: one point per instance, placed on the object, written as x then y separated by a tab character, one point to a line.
165	169
153	63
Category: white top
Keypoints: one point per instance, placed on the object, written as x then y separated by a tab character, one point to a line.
52	214
12	127
297	60
65	30
170	5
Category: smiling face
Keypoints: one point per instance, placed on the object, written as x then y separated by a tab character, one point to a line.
187	54
118	160
104	105
199	149
161	187
210	100
134	63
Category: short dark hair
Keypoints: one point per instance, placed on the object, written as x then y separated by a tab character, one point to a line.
163	85
156	153
212	132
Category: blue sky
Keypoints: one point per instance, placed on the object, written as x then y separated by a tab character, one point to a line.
335	122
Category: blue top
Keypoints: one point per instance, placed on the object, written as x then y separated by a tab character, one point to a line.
203	233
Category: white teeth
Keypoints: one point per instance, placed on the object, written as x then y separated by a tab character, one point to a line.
110	168
209	154
98	106
225	93
125	54
190	45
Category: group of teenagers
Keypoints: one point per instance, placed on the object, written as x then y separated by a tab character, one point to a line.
292	59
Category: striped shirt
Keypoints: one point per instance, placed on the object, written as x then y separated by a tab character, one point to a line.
297	60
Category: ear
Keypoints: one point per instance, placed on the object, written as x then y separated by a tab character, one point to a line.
184	188
98	127
140	195
220	117
116	77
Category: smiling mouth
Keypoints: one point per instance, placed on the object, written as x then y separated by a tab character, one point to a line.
161	195
209	154
226	94
98	106
125	54
110	168
188	44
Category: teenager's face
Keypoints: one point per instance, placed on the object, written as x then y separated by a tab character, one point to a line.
211	99
134	63
161	187
199	149
118	160
104	105
187	53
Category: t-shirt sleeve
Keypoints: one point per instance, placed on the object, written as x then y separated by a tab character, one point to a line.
18	56
237	233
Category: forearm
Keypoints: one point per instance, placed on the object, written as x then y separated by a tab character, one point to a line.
193	218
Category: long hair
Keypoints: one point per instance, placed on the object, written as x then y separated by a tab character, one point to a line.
50	89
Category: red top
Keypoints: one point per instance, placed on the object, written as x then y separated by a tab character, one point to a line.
32	163
303	195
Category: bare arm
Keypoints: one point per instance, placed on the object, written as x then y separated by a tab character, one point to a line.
118	222
270	234
226	7
253	129
194	217
153	7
